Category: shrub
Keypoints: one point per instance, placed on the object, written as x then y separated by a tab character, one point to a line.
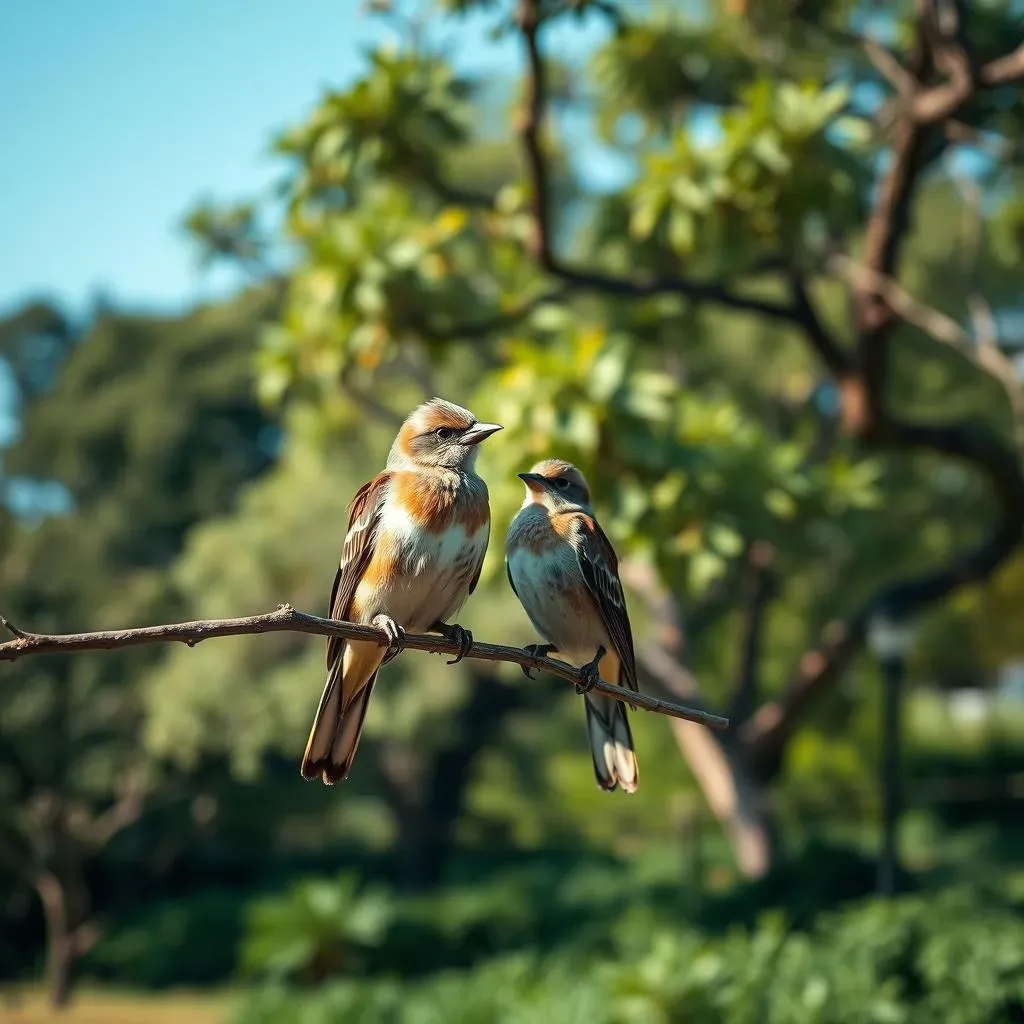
188	941
318	928
956	958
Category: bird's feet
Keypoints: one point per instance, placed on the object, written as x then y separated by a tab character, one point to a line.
591	672
395	634
536	651
458	635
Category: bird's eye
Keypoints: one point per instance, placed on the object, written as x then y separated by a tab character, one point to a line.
561	482
444	433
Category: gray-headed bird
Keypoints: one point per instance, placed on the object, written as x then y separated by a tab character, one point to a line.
564	571
416	541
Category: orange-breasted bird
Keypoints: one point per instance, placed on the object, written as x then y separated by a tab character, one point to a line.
564	571
416	540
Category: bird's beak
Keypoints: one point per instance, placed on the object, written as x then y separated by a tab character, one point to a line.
534	481
479	431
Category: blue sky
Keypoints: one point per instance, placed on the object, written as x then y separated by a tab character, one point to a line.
125	113
117	116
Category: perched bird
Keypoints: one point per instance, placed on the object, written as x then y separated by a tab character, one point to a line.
416	540
564	571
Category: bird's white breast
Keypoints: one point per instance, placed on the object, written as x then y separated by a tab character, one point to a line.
433	571
544	580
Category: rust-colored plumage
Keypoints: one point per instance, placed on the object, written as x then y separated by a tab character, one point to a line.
415	544
565	572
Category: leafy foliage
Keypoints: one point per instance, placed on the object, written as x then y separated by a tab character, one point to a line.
314	930
955	957
695	161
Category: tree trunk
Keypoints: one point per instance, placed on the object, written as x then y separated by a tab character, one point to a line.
61	952
737	800
60	962
738	796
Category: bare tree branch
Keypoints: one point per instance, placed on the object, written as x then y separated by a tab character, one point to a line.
287	619
11	628
489	325
888	66
125	811
879	301
831	353
530	131
930	106
718	762
981	348
930	320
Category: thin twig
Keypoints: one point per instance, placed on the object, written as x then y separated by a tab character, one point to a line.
888	66
497	322
902	303
11	628
530	129
930	106
288	619
981	348
986	351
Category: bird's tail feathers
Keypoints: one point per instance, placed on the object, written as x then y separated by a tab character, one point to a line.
337	727
611	744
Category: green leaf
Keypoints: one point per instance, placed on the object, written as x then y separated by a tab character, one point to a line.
780	504
646	212
725	540
682	231
705	568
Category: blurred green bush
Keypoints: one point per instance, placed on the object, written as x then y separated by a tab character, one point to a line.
191	940
957	957
550	906
317	929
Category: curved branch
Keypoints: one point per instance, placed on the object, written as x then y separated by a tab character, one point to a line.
529	20
497	322
976	445
288	619
933	105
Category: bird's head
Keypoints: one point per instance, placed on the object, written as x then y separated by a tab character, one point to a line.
439	435
556	484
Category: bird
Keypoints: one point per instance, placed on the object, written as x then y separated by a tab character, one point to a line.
565	573
416	540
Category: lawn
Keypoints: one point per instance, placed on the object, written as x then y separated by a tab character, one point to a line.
100	1006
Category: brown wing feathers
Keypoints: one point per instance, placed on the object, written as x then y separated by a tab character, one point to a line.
600	571
364	514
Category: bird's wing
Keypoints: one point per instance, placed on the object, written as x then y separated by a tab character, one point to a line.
511	582
480	564
600	570
364	515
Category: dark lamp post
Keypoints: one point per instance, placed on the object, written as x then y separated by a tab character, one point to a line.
890	641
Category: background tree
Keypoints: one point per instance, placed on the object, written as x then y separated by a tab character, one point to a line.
739	345
101	510
755	267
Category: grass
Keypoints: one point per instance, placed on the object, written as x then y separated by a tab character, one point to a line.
105	1006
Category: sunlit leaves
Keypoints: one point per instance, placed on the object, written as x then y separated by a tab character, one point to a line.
683	476
396	120
659	68
772	174
392	268
654	400
225	232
